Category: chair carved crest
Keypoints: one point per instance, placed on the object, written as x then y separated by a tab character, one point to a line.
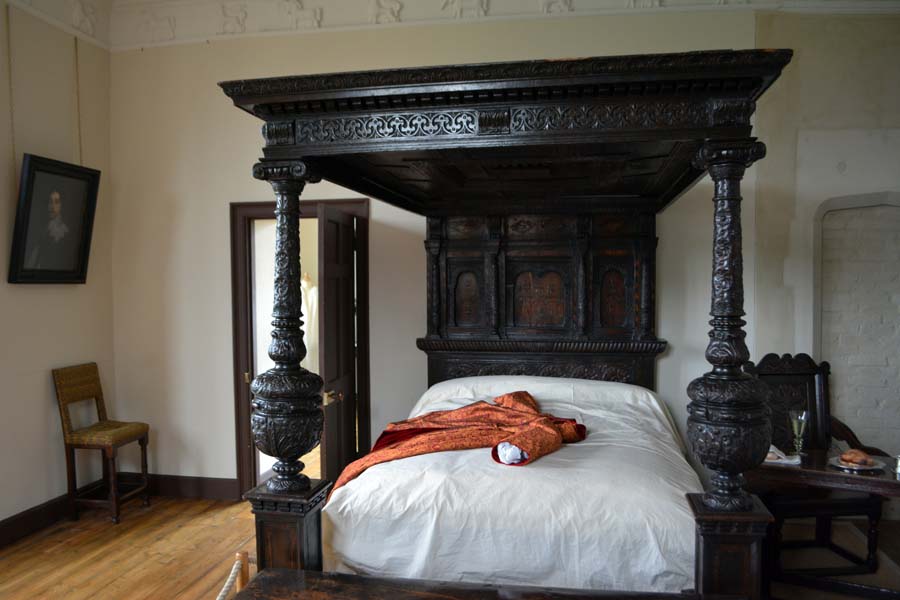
797	383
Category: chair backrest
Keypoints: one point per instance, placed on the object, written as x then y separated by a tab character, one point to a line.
797	382
76	384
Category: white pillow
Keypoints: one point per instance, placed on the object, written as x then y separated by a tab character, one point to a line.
581	399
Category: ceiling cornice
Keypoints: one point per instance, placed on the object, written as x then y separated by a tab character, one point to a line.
129	24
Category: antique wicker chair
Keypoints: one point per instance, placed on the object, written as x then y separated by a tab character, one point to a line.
798	382
79	383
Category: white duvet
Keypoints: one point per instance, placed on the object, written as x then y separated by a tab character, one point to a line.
605	513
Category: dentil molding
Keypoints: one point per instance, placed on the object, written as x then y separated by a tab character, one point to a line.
128	24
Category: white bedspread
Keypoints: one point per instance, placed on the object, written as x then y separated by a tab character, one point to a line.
605	513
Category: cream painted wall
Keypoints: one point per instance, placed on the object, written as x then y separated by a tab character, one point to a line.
836	102
54	102
181	153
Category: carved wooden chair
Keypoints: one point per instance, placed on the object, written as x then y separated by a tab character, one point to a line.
797	382
80	383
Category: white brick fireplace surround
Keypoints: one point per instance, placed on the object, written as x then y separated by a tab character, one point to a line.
860	301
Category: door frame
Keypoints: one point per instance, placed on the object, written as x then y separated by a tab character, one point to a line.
242	215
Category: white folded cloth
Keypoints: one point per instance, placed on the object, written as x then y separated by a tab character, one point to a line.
777	457
509	454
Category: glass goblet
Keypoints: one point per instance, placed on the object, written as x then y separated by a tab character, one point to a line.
799	419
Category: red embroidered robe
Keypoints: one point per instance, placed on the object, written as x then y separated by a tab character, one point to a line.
512	418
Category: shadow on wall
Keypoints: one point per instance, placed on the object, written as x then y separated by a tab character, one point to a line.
397	312
685	241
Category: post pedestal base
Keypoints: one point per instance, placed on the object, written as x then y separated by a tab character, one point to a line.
289	526
729	549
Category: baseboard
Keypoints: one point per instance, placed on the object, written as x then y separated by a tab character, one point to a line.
38	517
179	486
34	519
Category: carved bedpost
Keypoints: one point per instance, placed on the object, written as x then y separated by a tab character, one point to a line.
287	407
287	413
728	427
728	424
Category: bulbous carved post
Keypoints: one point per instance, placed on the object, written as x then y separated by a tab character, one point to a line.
728	424
287	417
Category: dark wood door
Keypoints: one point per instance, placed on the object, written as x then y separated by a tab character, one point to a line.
243	214
337	337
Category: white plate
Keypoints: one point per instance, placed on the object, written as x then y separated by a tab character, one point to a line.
835	461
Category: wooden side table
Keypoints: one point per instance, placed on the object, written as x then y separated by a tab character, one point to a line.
814	471
289	526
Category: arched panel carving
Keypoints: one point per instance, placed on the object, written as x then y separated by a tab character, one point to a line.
540	300
612	299
468	300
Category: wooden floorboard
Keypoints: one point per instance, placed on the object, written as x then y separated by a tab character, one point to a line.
174	548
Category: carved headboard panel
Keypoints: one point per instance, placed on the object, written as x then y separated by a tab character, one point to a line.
562	295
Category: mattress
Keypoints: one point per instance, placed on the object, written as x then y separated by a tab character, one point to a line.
605	513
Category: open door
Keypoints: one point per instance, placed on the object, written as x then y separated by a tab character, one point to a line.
338	284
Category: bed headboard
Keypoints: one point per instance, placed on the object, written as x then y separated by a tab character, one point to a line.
561	295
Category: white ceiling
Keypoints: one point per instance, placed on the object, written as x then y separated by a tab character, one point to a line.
124	24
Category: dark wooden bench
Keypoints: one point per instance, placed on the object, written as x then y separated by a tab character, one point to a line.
283	584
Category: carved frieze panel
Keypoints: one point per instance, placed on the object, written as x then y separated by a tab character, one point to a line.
538	227
520	120
632	115
466	228
598	370
447	123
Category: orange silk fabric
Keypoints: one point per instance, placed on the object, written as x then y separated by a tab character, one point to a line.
513	418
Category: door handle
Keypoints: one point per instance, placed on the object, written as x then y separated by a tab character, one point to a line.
331	396
247	377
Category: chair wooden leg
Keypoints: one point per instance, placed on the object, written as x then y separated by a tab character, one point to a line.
113	484
105	465
777	537
72	482
145	478
823	531
872	546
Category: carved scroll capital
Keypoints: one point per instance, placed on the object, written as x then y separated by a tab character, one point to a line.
737	153
285	175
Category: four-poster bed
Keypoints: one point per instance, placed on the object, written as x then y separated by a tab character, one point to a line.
540	182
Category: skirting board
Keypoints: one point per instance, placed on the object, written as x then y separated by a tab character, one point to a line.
36	518
178	486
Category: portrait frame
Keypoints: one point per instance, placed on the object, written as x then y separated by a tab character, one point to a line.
54	222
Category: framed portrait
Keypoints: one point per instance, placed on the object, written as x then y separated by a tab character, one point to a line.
54	219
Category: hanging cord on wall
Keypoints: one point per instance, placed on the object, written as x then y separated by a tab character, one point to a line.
78	104
12	121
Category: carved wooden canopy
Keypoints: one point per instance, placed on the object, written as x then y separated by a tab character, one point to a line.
540	181
536	136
